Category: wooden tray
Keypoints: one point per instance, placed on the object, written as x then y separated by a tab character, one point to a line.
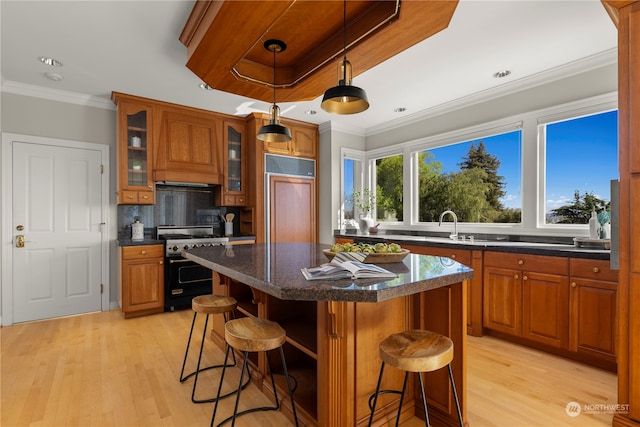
375	258
583	242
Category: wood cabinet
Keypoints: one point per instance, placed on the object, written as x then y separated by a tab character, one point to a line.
189	146
257	188
234	154
304	141
141	289
471	259
593	302
527	296
135	148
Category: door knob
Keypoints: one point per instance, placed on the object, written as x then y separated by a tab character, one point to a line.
20	241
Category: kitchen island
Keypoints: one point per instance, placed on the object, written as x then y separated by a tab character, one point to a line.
334	327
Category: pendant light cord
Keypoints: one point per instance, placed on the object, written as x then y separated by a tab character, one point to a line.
274	48
344	41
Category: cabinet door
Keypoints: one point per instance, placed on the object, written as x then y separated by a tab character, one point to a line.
135	183
142	285
545	311
304	142
502	300
234	165
593	318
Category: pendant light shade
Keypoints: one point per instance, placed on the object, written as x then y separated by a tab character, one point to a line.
274	131
344	98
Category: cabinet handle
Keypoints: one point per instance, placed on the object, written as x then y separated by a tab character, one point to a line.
145	197
150	187
574	284
129	196
515	276
161	262
520	262
144	252
596	270
453	256
525	278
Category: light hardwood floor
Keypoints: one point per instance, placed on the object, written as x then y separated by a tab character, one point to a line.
101	370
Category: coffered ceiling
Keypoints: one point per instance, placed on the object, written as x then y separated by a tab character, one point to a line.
134	47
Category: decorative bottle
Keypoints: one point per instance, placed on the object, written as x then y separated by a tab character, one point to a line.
593	226
137	231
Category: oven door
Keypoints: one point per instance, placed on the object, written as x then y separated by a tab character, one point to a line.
185	279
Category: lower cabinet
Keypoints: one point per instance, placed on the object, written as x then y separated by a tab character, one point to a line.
141	289
566	304
592	309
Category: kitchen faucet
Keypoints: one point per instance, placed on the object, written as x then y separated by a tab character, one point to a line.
454	235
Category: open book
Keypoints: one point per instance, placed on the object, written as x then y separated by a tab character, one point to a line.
347	265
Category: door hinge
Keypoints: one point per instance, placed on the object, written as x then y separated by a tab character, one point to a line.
101	169
101	288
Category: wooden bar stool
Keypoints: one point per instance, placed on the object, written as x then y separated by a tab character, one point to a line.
206	304
250	334
415	351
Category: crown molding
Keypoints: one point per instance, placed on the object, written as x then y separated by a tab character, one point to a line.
42	92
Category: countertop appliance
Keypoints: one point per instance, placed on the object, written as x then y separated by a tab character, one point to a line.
185	279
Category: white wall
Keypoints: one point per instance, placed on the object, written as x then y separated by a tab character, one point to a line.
27	115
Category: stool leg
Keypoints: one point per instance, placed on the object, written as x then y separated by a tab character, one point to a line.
404	387
235	408
224	368
186	351
424	400
455	395
286	375
195	382
375	395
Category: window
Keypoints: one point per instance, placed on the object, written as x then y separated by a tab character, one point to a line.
352	179
581	158
388	179
479	179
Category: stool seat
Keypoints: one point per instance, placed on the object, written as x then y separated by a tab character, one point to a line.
417	351
213	304
254	334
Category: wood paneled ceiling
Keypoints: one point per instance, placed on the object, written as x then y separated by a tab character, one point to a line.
225	41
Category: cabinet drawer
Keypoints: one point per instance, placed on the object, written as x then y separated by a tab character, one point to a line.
539	263
142	252
595	269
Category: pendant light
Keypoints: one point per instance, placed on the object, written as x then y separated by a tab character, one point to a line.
274	131
344	98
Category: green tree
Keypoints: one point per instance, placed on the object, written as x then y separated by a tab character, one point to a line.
478	158
580	210
389	188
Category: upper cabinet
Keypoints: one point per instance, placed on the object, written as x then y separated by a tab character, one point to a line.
135	148
234	155
189	147
304	141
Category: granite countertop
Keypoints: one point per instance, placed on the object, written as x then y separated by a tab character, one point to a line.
534	248
151	241
275	270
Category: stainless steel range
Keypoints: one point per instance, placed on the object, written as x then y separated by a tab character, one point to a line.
185	279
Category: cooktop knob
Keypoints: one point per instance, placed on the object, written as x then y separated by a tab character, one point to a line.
174	248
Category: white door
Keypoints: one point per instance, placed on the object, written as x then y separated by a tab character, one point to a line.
57	207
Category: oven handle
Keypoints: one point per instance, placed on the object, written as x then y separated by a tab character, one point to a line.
173	261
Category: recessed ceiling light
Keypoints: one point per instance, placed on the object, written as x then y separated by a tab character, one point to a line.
205	86
502	73
53	76
310	112
50	61
399	109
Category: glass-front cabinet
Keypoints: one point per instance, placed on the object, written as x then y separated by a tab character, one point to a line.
233	193
135	183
